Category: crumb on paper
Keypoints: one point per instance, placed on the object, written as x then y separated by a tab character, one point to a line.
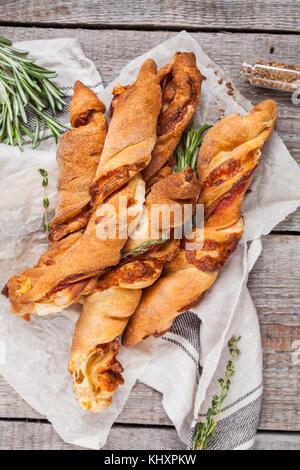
220	81
230	91
272	49
222	111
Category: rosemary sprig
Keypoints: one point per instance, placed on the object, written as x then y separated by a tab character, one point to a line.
25	84
186	154
142	248
46	224
205	431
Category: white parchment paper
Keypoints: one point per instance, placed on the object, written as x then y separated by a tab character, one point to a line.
34	355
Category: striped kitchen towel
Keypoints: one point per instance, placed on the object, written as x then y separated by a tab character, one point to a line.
194	353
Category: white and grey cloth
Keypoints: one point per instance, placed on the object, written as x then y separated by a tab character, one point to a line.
185	363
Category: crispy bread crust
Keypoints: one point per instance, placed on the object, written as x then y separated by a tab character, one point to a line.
134	122
181	87
229	154
78	157
183	282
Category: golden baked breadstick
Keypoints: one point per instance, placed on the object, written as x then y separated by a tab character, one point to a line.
78	157
131	134
181	87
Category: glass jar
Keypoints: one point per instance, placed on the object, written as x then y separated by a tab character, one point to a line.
272	74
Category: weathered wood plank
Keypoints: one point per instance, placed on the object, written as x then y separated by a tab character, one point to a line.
274	281
41	436
278	306
277	441
191	14
16	435
274	284
111	50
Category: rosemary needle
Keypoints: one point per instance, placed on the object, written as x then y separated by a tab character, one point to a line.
46	225
143	248
187	153
25	85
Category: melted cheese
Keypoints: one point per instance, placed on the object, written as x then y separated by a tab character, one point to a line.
89	396
24	286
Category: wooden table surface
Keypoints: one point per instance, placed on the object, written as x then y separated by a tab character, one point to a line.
111	34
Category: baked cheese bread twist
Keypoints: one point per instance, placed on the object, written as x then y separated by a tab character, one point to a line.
180	82
93	365
227	159
78	157
131	134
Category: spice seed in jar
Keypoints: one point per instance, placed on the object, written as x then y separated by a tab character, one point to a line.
272	74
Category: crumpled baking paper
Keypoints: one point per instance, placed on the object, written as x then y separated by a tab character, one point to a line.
36	353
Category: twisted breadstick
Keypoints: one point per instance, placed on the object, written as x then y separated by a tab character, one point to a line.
227	159
96	372
78	157
180	81
131	135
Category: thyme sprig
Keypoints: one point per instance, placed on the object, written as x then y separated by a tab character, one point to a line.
187	152
24	85
205	431
143	248
45	224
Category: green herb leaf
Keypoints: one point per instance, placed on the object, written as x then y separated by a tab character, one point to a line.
45	200
23	83
42	172
143	248
45	223
187	152
205	431
5	41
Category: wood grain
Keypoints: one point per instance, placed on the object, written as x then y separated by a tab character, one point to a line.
277	441
41	436
110	50
274	285
176	14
